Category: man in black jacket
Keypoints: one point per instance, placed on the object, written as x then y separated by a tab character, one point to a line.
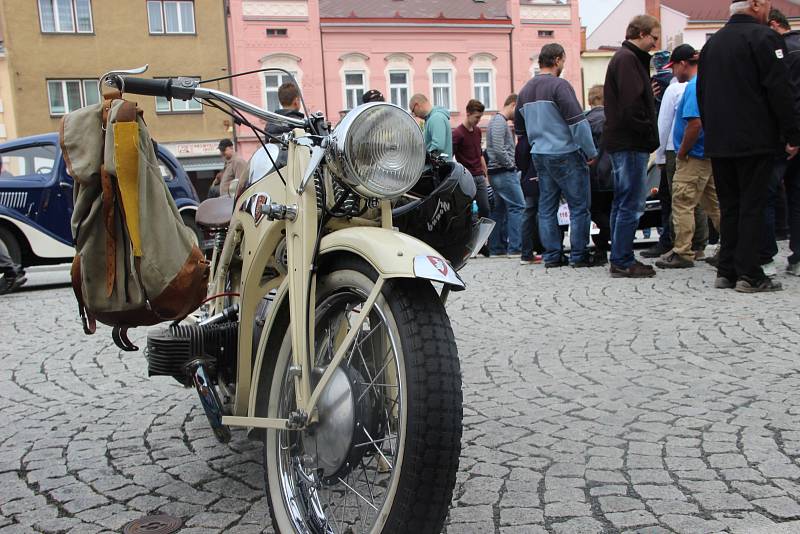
748	112
788	171
631	134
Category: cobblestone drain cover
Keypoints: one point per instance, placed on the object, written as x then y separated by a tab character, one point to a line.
153	524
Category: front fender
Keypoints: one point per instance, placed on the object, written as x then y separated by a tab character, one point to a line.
393	254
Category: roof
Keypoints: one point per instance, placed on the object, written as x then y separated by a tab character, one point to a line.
413	9
719	10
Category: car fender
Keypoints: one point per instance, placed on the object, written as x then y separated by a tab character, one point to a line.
42	243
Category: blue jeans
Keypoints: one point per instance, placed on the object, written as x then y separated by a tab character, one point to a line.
508	202
630	196
567	175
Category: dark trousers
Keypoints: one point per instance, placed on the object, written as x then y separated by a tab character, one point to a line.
7	267
742	189
601	215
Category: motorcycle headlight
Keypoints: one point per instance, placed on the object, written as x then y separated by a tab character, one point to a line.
378	150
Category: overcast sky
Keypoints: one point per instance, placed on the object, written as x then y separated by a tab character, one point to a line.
594	11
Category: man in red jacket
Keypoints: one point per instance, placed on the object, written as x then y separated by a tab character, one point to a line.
631	134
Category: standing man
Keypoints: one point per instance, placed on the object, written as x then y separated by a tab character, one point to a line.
438	135
693	183
789	171
748	111
509	201
561	143
468	152
235	167
631	134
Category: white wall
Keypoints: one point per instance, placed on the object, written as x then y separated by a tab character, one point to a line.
611	32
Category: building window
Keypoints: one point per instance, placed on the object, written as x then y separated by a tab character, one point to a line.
277	32
442	88
65	16
164	105
546	33
273	81
170	16
398	88
482	83
68	95
354	88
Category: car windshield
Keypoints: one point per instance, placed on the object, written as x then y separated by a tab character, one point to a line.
28	161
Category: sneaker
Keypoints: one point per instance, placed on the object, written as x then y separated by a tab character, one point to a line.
537	259
636	270
674	261
562	262
765	285
793	269
654	252
12	282
713	260
600	257
484	251
699	255
724	283
770	269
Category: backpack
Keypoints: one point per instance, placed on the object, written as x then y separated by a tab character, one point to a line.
136	263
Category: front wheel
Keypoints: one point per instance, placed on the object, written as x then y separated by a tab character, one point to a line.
383	457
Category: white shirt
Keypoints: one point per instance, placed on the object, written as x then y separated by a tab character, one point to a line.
666	119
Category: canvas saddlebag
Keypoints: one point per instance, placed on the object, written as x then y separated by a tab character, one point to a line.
136	263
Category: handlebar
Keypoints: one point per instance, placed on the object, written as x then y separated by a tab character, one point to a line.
180	88
187	88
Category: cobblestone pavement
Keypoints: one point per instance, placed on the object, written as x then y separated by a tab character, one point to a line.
591	405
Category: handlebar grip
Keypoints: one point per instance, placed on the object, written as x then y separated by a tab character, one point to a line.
147	86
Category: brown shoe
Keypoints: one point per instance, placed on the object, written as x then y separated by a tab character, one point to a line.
674	261
636	270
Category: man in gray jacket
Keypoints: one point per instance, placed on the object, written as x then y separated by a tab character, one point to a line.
509	202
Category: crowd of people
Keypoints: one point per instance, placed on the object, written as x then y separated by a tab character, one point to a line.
723	123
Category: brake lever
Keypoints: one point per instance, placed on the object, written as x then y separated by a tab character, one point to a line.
118	74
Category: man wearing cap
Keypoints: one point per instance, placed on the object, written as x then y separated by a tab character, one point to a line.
747	110
693	183
235	167
373	95
665	158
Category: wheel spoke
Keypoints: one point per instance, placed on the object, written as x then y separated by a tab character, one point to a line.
358	494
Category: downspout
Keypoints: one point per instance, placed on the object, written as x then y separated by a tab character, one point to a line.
324	77
511	55
226	13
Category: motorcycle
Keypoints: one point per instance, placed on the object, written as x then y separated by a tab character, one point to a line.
323	332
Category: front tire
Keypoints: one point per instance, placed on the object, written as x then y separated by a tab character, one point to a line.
400	479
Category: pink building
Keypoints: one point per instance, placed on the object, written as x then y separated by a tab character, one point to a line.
450	50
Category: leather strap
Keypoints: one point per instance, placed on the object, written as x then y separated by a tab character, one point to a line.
111	234
87	319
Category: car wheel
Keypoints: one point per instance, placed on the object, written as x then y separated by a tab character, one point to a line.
10	246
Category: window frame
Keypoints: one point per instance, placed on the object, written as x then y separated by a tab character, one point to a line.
164	30
173	111
63	81
399	86
353	87
73	14
488	86
448	86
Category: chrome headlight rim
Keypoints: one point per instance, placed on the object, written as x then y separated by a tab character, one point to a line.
340	158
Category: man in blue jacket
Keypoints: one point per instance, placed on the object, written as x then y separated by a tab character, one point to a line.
549	114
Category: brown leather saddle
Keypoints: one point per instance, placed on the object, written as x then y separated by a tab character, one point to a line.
215	213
